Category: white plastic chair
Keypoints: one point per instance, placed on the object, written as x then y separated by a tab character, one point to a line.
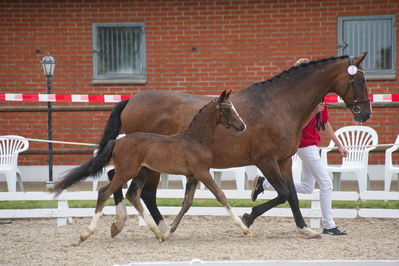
10	147
354	138
390	169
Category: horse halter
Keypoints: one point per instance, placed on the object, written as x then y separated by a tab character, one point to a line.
355	105
222	113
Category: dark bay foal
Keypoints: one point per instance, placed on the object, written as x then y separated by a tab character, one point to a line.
188	153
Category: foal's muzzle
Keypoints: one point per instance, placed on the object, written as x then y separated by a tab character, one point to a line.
241	128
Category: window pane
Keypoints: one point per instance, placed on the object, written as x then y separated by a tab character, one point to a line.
374	34
119	50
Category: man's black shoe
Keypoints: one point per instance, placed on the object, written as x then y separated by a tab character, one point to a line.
334	232
257	187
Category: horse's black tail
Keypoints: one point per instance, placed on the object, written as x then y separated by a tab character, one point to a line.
91	168
95	166
113	126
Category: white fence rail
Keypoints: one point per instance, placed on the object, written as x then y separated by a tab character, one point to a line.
63	213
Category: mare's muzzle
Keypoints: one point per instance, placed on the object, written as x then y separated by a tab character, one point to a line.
355	107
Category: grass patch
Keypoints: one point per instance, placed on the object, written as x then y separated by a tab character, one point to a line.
370	204
31	204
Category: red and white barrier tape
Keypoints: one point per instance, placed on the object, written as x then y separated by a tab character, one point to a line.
386	98
82	98
86	98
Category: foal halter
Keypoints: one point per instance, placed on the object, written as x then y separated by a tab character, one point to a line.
223	114
355	105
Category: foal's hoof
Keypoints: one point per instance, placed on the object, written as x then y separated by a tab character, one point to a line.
160	238
164	230
309	233
165	235
115	230
246	219
158	235
247	232
85	235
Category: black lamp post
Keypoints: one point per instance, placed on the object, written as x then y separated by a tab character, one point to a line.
48	63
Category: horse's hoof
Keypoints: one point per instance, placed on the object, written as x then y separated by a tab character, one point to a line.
246	219
160	239
247	232
115	230
165	235
158	236
85	235
164	230
163	227
309	233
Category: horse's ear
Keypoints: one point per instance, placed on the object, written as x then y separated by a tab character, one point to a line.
228	95
223	96
359	59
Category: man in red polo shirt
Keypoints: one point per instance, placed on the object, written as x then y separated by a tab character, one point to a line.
313	169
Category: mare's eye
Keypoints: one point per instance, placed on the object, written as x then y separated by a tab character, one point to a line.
362	81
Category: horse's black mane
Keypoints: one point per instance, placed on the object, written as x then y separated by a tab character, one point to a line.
303	65
200	110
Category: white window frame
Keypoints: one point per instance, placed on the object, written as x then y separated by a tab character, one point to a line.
139	77
356	48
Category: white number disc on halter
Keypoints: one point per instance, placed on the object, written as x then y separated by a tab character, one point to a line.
352	70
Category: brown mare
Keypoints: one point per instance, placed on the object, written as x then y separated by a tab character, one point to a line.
275	111
188	153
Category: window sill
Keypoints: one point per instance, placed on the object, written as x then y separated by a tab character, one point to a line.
380	76
118	81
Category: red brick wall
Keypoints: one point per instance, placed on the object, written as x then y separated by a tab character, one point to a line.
238	43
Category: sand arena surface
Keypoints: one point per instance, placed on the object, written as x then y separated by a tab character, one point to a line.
41	242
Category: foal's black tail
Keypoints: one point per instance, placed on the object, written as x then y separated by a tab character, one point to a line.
95	166
91	168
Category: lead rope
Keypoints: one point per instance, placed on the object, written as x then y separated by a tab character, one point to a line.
92	144
59	142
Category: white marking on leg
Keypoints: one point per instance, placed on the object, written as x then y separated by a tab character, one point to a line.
120	219
90	230
164	229
152	225
237	221
149	221
121	215
308	233
94	222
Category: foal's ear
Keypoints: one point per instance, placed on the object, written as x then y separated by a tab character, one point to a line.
359	59
228	94
223	96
